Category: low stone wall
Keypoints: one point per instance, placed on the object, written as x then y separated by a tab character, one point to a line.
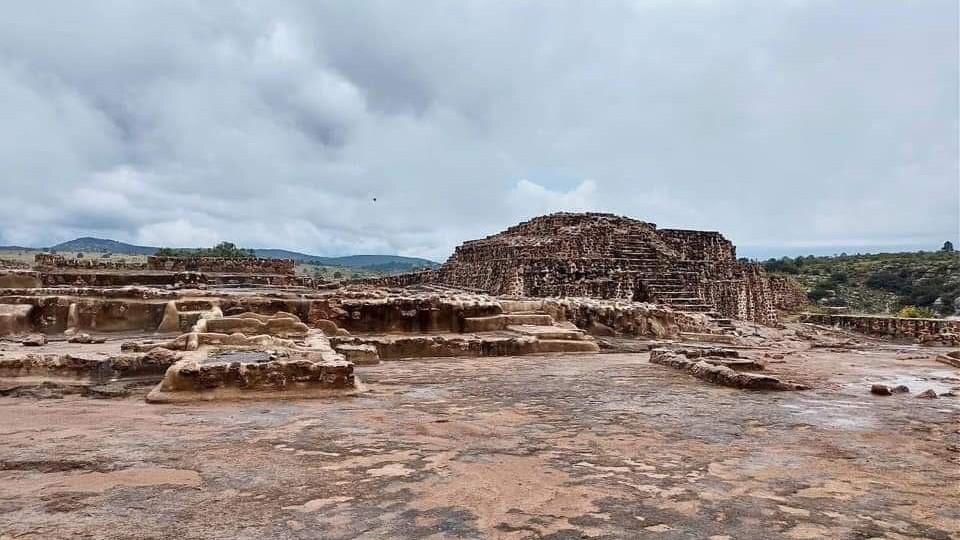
418	314
19	279
632	319
52	261
399	280
250	265
13	265
888	327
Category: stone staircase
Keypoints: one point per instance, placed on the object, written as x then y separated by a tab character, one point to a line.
661	279
527	318
494	323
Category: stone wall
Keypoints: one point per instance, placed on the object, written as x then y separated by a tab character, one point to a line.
887	327
49	261
19	279
699	245
788	293
13	265
251	265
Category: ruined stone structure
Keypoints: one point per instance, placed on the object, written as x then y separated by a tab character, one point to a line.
611	257
788	293
250	265
246	265
51	261
57	271
921	330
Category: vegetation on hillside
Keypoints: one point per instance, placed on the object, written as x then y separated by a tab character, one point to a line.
226	250
920	284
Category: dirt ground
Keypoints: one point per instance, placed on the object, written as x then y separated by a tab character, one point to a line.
561	446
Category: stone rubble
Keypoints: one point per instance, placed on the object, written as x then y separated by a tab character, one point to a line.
702	366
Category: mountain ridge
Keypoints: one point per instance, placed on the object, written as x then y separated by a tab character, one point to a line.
104	245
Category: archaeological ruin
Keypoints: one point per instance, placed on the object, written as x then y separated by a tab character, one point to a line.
612	257
562	379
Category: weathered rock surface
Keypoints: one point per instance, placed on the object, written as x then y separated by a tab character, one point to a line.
34	340
15	319
84	338
280	324
397	347
359	354
88	366
254	373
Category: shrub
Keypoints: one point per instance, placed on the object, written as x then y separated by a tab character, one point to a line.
914	312
819	292
226	250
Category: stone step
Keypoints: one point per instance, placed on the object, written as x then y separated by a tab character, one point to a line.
501	322
697	308
548	332
675	291
684	300
194	305
709	338
521	306
677	294
188	319
566	345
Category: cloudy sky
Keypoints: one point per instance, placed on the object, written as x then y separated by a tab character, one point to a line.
788	124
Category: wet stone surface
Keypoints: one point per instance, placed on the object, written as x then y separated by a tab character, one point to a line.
241	356
600	446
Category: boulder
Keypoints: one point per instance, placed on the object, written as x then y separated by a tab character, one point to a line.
34	340
359	354
600	329
84	338
328	327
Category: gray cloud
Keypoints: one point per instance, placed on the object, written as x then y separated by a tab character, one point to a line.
796	123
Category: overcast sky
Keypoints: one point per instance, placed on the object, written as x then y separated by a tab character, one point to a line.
794	124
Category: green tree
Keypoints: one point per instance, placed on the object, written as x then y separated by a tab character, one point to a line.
947	246
226	250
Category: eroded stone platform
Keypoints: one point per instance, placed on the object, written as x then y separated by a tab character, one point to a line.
598	446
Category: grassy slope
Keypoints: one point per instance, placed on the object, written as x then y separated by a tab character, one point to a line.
878	283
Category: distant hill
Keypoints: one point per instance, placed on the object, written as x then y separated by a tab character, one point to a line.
393	262
879	283
102	245
382	263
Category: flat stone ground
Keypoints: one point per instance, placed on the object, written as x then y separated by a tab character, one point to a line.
562	446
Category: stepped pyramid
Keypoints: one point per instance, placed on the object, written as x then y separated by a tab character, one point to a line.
613	257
